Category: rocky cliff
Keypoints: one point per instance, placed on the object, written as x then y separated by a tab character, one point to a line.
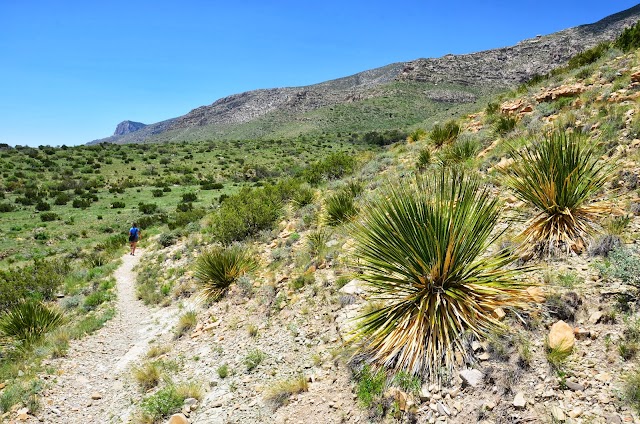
126	127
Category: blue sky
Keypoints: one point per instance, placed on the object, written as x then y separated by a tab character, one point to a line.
71	70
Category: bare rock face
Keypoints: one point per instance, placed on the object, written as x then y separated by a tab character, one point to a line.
126	127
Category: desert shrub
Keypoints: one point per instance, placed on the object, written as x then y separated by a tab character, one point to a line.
62	199
622	264
370	386
278	394
443	134
219	267
151	220
81	203
161	404
147	208
558	176
505	124
148	375
117	205
253	359
246	213
317	241
208	185
29	321
49	216
181	219
189	197
186	322
157	192
167	239
588	56
629	39
43	206
7	207
421	248
333	167
39	280
340	207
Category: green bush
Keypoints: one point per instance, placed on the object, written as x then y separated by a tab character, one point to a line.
167	239
189	197
333	167
253	359
162	404
622	264
370	386
588	56
117	205
424	159
181	219
246	213
219	267
43	206
157	192
7	207
505	124
629	39
39	280
147	208
49	216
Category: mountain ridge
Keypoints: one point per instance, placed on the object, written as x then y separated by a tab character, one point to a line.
485	72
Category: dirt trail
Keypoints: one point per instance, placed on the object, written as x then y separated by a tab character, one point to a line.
95	366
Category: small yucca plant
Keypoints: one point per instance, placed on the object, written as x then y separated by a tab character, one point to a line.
219	267
422	250
29	321
443	134
340	208
558	176
418	134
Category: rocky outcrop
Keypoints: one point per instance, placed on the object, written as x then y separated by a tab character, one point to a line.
126	127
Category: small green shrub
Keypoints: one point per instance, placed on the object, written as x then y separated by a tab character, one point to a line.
223	371
304	196
7	207
424	159
621	264
43	207
49	216
444	134
186	322
167	239
161	404
629	39
147	208
253	359
370	386
505	124
117	205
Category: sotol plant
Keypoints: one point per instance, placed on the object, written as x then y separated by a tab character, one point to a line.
558	176
219	267
29	321
422	249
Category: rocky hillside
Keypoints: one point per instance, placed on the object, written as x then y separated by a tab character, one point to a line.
440	85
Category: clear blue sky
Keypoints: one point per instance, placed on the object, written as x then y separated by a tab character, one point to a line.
71	70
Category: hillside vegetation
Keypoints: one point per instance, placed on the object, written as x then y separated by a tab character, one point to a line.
482	269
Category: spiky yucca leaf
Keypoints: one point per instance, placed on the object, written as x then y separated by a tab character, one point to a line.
421	249
29	321
558	175
340	208
219	267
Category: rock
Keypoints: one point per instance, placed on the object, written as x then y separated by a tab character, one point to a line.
443	410
519	401
96	396
126	127
561	337
576	412
594	318
499	314
603	377
23	414
571	90
471	377
178	419
558	414
576	387
399	396
475	345
536	293
484	357
635	76
353	287
192	403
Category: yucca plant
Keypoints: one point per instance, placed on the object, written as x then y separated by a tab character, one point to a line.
443	134
422	249
460	151
29	321
340	208
558	176
424	159
418	134
219	267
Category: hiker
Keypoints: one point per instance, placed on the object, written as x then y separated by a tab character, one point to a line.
134	236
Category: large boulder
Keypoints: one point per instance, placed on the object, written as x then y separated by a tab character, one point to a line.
561	337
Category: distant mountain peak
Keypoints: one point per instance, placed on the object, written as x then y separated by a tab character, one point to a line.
126	127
